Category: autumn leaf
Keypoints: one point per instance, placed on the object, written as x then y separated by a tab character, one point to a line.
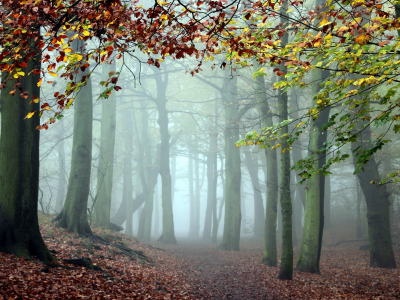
28	116
363	39
52	73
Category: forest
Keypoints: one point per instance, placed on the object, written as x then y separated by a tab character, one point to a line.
199	149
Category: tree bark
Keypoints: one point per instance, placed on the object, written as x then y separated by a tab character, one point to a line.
102	207
286	268
270	256
168	233
73	216
259	220
377	201
61	170
127	187
232	222
19	167
311	244
120	216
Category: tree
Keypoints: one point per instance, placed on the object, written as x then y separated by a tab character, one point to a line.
311	243
102	206
286	268
19	160
73	216
168	234
270	251
127	186
232	222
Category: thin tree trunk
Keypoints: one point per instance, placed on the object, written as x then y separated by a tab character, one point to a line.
102	207
120	216
173	177
61	169
221	206
286	268
191	194
210	193
127	187
259	220
270	248
327	204
168	233
360	233
144	231
232	223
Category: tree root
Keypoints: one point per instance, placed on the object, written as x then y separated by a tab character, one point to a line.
84	262
132	254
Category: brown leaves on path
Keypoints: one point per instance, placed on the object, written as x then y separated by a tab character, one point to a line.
188	271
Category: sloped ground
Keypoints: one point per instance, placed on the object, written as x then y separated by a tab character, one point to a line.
189	271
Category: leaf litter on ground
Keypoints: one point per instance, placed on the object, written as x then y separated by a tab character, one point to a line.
192	270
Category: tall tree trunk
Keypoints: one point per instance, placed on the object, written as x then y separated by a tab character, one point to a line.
327	204
120	216
127	187
168	233
73	216
286	269
173	177
144	232
297	155
61	169
210	192
377	200
310	249
232	223
217	217
19	167
102	207
191	194
156	228
270	249
360	229
196	192
259	220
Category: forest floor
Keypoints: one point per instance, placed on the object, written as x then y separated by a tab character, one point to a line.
190	270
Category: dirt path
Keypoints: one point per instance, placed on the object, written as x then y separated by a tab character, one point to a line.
210	273
217	274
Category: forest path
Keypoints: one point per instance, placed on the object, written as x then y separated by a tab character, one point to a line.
219	274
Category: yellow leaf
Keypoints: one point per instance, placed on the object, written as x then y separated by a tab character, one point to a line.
47	108
276	146
40	82
28	116
164	17
53	74
86	33
67	50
